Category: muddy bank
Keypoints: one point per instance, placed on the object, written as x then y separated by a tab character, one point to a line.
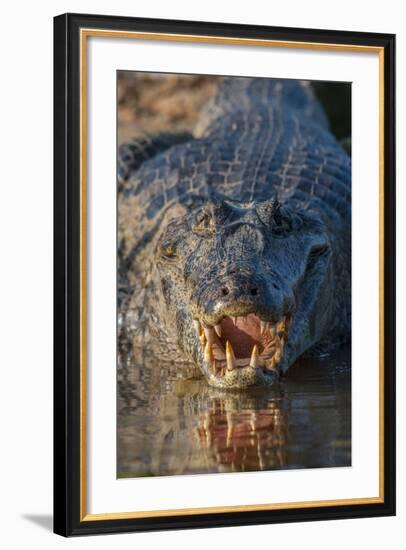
150	103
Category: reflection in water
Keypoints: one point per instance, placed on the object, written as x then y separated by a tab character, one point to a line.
171	422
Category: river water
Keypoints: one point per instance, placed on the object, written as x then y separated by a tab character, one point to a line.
171	422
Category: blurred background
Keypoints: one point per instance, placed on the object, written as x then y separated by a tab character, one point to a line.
150	102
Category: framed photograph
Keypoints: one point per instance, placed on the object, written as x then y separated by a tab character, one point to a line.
224	274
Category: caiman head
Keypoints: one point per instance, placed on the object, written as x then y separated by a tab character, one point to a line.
245	287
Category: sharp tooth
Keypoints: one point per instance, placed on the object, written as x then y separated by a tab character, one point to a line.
264	326
278	351
254	357
202	338
222	371
272	364
197	326
217	328
209	333
231	364
235	320
208	353
280	326
213	367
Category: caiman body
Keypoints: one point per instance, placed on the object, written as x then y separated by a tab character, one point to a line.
234	243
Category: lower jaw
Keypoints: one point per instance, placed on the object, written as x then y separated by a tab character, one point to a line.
258	366
241	378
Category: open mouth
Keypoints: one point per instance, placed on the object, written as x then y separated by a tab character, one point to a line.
243	342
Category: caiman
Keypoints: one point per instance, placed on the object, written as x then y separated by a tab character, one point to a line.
234	243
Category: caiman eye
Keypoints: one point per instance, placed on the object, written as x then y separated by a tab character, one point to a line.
204	224
168	251
282	223
267	210
319	250
170	242
277	217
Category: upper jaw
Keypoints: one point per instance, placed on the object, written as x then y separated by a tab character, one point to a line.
242	351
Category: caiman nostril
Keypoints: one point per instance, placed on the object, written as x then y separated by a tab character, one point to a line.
225	291
254	291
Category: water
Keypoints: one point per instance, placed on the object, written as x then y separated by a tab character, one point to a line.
171	422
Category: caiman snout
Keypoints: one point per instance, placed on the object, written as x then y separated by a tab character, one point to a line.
241	289
239	294
242	322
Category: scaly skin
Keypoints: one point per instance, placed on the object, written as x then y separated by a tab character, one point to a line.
248	219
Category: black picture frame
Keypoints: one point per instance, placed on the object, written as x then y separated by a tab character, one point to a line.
68	520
